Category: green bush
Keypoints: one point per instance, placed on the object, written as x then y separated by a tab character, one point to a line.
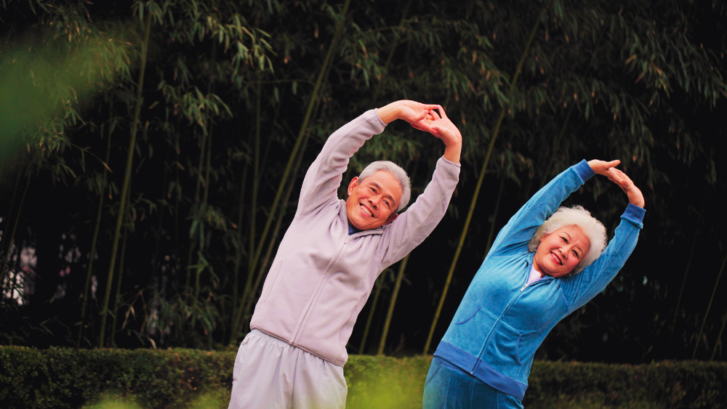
181	378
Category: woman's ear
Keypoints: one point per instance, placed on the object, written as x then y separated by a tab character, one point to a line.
353	185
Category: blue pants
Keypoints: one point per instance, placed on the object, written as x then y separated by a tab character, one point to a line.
448	387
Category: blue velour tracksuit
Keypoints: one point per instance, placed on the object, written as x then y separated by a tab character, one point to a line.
501	321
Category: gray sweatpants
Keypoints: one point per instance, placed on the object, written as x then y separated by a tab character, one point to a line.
271	374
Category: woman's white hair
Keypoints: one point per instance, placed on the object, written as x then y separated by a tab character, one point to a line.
574	216
397	172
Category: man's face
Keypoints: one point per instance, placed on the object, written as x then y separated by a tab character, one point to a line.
560	252
373	202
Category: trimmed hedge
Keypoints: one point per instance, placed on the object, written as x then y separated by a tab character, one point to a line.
69	378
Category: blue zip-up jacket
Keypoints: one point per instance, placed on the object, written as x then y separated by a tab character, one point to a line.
501	321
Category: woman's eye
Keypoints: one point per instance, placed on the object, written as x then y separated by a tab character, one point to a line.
575	253
564	239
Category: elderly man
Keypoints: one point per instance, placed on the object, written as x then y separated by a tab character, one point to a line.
329	259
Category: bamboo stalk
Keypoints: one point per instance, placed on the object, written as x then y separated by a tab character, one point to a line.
96	228
303	131
689	263
480	179
112	341
194	212
155	256
719	337
235	306
127	178
253	201
176	196
392	303
206	146
379	285
494	216
709	306
238	259
208	165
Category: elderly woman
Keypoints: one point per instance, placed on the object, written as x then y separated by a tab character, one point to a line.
545	263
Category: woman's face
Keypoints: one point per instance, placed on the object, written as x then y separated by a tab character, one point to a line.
560	252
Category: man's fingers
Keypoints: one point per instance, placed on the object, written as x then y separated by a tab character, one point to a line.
441	112
421	115
418	105
434	114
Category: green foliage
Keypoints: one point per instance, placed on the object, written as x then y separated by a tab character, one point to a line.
64	378
180	378
44	81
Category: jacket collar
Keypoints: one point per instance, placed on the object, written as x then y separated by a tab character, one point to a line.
529	263
344	218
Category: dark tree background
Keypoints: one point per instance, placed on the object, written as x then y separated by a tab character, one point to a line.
209	112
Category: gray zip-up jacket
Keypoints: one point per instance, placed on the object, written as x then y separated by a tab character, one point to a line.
322	276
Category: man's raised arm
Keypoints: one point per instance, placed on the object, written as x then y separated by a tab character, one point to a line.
415	225
325	173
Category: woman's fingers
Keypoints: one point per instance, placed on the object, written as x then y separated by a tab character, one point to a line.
613	163
441	111
623	181
434	115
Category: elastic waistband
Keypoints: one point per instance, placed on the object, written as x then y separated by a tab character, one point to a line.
272	339
256	333
487	374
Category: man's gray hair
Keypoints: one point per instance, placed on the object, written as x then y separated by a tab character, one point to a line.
397	172
574	216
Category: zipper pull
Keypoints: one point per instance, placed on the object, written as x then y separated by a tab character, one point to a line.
521	290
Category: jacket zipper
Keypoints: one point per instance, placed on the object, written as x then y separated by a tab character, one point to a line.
517	295
314	297
318	290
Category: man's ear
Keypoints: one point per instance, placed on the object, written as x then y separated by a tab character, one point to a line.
391	218
352	185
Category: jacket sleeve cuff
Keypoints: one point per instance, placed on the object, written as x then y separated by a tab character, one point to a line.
377	119
584	170
635	215
449	162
